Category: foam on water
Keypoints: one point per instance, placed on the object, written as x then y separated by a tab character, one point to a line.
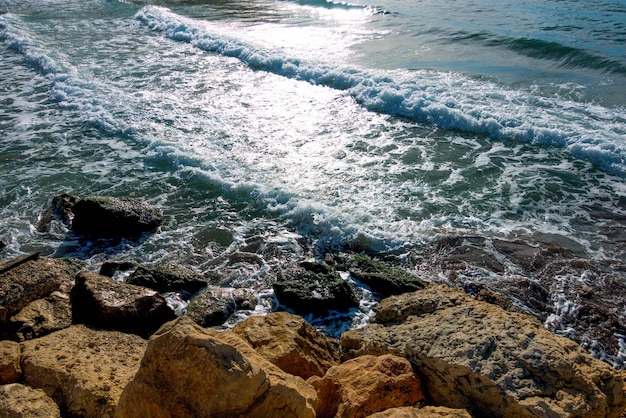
450	101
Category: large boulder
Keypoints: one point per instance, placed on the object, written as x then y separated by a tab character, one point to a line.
28	278
289	342
20	401
477	356
114	216
10	368
103	302
381	278
190	371
167	278
214	305
83	370
314	288
365	385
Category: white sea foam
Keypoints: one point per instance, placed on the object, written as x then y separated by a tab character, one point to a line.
450	101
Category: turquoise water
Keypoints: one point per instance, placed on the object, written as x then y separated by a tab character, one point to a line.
301	127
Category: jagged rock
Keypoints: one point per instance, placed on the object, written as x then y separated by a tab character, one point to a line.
289	342
25	279
365	385
190	371
314	288
83	370
167	278
380	277
20	401
114	216
425	412
3	244
214	305
60	210
102	302
112	268
10	369
477	356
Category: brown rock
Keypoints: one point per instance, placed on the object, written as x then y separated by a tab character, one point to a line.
10	369
191	371
19	401
365	385
102	302
425	412
26	279
477	356
289	342
83	370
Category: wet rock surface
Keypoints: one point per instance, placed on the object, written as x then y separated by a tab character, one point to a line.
213	305
167	278
477	356
314	288
83	370
191	371
102	302
290	343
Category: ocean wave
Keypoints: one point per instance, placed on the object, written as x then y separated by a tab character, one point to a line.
447	100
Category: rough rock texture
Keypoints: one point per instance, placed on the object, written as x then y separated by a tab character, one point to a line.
10	369
477	356
29	278
60	210
102	302
314	288
167	278
190	371
19	401
380	277
114	216
365	385
425	412
83	370
214	305
289	342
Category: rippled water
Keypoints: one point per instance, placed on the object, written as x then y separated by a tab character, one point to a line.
293	128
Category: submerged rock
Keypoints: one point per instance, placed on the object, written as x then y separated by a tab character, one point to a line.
83	370
477	356
114	216
289	342
214	305
167	278
60	209
10	368
314	288
188	371
20	401
380	277
366	385
102	302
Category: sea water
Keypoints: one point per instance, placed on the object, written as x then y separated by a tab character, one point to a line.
290	129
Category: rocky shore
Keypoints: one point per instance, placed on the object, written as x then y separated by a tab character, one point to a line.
79	343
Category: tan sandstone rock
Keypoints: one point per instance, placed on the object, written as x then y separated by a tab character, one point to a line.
19	401
365	385
479	357
10	369
83	370
289	342
189	371
425	412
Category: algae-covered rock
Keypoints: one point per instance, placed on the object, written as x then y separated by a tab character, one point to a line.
289	342
214	304
114	216
476	356
314	288
167	278
380	277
